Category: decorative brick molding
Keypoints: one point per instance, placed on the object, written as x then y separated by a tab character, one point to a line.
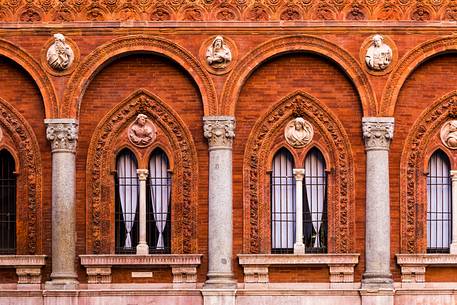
340	180
413	189
341	266
183	156
413	266
104	54
53	11
183	266
28	267
299	43
22	140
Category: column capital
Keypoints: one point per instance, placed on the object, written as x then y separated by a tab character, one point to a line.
377	132
63	134
219	130
299	173
142	174
453	174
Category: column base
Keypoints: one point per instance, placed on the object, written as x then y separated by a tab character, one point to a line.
299	248
219	296
67	283
220	280
142	249
377	297
377	281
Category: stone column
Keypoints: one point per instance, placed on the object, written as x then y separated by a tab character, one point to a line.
142	248
299	247
378	133
453	246
220	131
63	135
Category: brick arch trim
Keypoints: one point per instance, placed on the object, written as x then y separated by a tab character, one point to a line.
106	53
408	64
413	191
100	181
300	43
29	177
341	179
26	61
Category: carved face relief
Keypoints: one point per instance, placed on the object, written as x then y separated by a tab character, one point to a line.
379	54
142	132
218	54
448	134
60	56
298	132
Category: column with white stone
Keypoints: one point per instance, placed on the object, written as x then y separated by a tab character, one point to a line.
142	248
63	135
453	246
377	133
299	246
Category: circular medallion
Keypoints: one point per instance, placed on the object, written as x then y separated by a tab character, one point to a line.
298	132
448	134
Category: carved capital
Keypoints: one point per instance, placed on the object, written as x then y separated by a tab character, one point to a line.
142	174
377	132
63	134
299	173
219	130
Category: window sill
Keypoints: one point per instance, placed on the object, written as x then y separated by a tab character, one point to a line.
341	266
183	266
28	268
413	266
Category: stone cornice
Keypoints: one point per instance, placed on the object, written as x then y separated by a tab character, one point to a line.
427	259
140	260
298	259
219	130
63	134
377	132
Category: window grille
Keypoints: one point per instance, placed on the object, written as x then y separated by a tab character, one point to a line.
7	203
127	205
159	203
439	214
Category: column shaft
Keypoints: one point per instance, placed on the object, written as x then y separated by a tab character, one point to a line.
142	248
453	246
299	247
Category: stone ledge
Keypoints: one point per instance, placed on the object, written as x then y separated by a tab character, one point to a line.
341	266
413	266
183	266
28	268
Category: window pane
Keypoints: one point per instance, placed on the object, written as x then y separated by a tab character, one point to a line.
127	196
438	204
315	203
159	203
282	203
7	204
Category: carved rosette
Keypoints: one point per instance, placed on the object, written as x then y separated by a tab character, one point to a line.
377	132
219	130
63	134
448	134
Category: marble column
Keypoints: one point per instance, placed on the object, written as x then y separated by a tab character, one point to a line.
220	131
63	135
377	133
453	246
142	248
299	247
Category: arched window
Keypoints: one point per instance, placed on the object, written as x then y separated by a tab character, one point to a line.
159	203
7	203
283	203
439	214
127	197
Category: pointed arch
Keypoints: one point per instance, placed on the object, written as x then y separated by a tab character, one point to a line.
98	173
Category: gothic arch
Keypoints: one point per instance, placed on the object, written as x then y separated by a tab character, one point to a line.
341	180
412	187
99	179
104	54
408	64
289	44
22	58
27	153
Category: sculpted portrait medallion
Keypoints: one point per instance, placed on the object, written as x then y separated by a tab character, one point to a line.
142	131
298	132
448	134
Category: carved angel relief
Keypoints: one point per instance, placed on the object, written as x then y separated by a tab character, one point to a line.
218	54
60	55
142	131
298	132
379	54
448	134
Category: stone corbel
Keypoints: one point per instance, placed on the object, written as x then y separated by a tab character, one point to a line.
98	275
184	276
28	268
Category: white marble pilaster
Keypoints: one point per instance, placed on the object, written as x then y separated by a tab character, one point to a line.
63	135
142	248
299	247
377	133
220	131
453	246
